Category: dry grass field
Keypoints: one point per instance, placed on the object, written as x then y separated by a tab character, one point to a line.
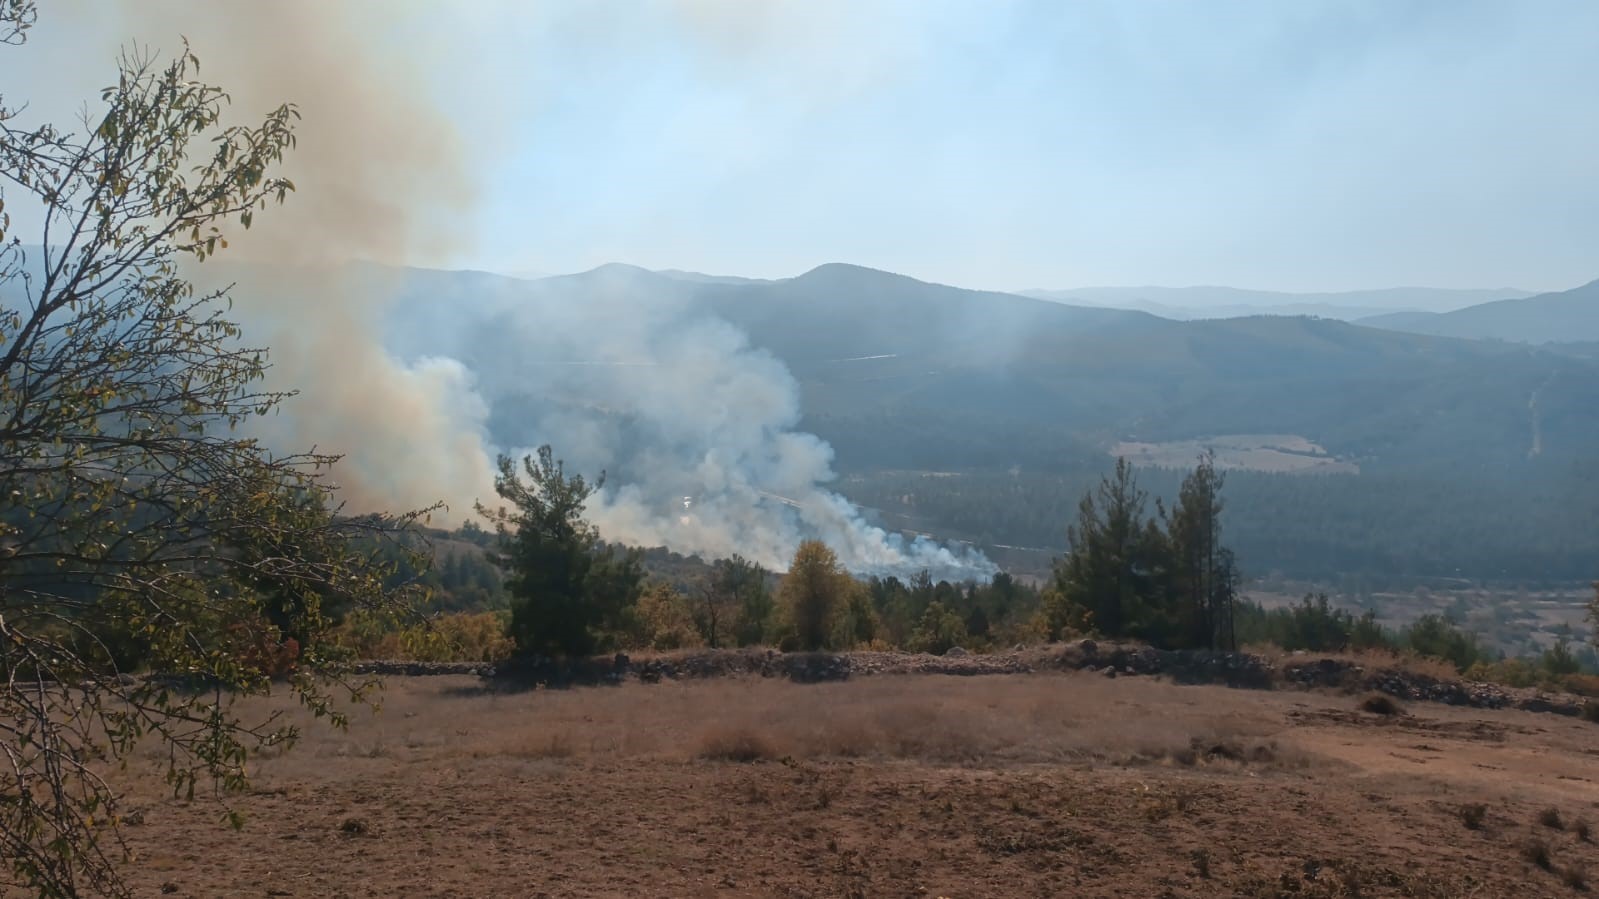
899	786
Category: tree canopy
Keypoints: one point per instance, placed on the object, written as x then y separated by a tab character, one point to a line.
141	527
569	590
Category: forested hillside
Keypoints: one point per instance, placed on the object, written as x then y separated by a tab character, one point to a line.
1558	317
1474	457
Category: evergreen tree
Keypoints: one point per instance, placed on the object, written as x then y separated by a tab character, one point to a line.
1105	581
742	584
569	591
1202	580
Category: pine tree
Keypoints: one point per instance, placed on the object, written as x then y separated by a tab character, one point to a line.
1202	579
1105	581
568	589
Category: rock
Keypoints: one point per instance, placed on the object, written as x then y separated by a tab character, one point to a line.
955	652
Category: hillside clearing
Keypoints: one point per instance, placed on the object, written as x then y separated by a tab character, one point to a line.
1025	785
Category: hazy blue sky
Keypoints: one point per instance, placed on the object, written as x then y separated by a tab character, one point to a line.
1288	145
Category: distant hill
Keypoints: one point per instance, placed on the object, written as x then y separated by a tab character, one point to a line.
1185	303
984	415
1566	316
900	373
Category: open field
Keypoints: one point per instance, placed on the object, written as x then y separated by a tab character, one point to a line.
1279	453
1025	785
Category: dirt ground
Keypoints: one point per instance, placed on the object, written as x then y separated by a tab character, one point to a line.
900	786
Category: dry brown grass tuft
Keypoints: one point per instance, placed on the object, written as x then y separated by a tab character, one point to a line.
1550	817
736	745
1002	720
1536	852
1473	814
355	827
557	745
1575	877
1424	666
1381	704
1582	830
1581	684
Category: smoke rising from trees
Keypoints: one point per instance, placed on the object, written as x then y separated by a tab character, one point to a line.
696	428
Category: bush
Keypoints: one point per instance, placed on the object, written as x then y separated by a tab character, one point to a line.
739	745
939	631
1435	636
1550	817
1581	684
1559	660
1536	851
813	594
1381	704
463	637
664	620
1473	814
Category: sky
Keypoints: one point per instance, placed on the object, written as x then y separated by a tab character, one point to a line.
1271	145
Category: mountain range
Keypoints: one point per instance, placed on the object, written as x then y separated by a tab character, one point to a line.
898	372
1230	302
1566	316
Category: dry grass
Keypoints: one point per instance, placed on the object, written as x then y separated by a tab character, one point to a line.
737	745
1536	852
1473	814
1550	818
1033	719
992	786
1381	704
1374	659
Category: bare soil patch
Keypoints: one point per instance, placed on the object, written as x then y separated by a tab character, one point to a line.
906	785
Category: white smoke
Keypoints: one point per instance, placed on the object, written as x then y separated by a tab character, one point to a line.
697	429
669	399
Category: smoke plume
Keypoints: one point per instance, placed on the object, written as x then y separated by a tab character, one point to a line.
623	371
418	387
381	175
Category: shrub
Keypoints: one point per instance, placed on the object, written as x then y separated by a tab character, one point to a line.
1536	851
664	619
939	631
1436	636
1550	817
1581	684
738	745
1472	814
1581	829
1575	877
461	637
1381	704
1559	660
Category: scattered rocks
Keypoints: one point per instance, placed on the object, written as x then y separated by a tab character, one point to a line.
395	668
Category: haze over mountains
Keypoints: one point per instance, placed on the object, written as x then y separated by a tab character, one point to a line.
1232	302
733	392
1562	317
